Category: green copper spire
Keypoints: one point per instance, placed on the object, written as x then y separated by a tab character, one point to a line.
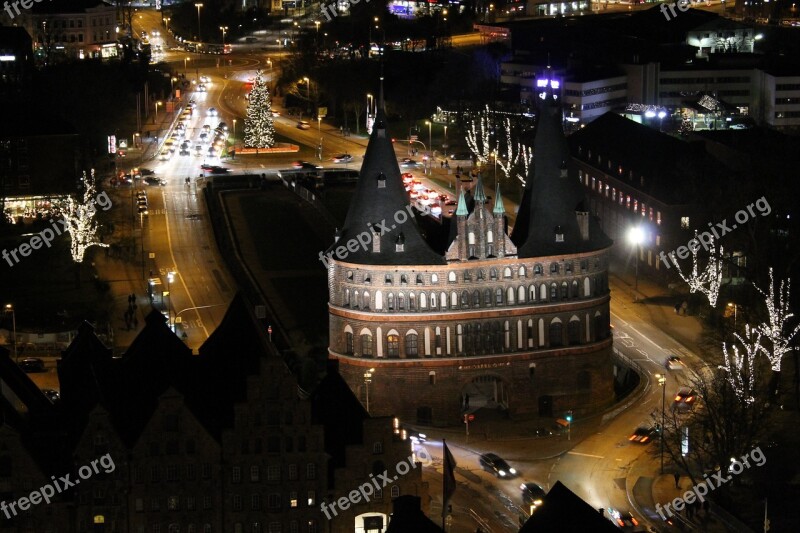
461	210
480	196
499	208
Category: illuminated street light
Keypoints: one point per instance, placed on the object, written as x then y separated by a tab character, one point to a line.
170	279
199	31
223	29
662	381
636	237
10	309
367	381
430	156
155	118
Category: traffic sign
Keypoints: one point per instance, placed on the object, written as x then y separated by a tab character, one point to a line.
470	417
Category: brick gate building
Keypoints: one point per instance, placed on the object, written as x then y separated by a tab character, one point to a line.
515	323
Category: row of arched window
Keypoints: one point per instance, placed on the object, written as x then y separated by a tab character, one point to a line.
476	298
476	338
480	274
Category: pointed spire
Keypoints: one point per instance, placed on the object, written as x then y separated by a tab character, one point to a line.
461	210
480	196
499	207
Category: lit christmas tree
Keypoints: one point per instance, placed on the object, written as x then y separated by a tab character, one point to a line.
79	220
778	330
710	279
477	137
259	130
739	367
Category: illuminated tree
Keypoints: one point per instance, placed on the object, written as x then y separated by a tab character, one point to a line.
478	137
79	220
779	316
739	367
259	129
710	279
516	155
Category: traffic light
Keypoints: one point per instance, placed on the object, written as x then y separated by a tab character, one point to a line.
569	416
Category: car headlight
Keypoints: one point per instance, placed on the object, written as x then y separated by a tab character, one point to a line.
502	472
512	470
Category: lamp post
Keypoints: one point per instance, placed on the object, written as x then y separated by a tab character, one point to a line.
234	137
731	304
308	93
444	144
10	309
430	155
155	117
170	279
199	31
269	62
223	29
316	39
636	236
166	20
662	381
367	381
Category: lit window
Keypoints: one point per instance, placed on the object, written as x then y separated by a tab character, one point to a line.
684	222
658	217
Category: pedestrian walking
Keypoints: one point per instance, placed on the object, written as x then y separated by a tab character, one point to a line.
677	477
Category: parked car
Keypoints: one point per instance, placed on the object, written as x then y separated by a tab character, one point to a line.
625	519
32	365
342	158
304	125
496	465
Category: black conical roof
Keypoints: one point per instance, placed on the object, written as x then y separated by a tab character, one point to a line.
550	199
379	198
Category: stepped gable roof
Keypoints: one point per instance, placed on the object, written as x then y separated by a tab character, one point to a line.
553	199
379	195
562	510
335	407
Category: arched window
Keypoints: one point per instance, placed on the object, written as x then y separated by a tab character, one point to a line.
393	344
434	278
481	274
357	299
498	296
493	273
554	268
365	302
520	336
487	297
442	300
575	292
532	293
464	299
438	340
412	350
412	302
543	292
521	294
348	340
401	301
564	290
378	300
395	491
390	301
433	301
587	287
538	270
419	279
460	338
507	272
476	298
574	330
553	292
521	272
347	297
510	296
507	335
451	277
423	300
530	333
366	344
453	300
556	333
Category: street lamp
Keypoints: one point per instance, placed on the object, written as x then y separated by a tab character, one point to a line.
636	236
430	155
234	137
10	309
166	20
223	29
199	32
308	93
170	279
367	381
731	304
662	381
269	62
155	118
444	144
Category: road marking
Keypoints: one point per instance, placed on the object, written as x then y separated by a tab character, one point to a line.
586	455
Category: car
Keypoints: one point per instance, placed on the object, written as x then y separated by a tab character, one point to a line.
142	209
204	79
222	126
202	88
203	137
642	435
305	164
412	434
165	155
53	395
532	495
493	463
684	399
303	125
622	519
542	432
450	202
32	365
152	180
674	362
215	169
342	158
212	111
409	163
146	171
407	176
461	156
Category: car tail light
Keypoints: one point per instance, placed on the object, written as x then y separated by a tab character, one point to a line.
635	522
678	398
